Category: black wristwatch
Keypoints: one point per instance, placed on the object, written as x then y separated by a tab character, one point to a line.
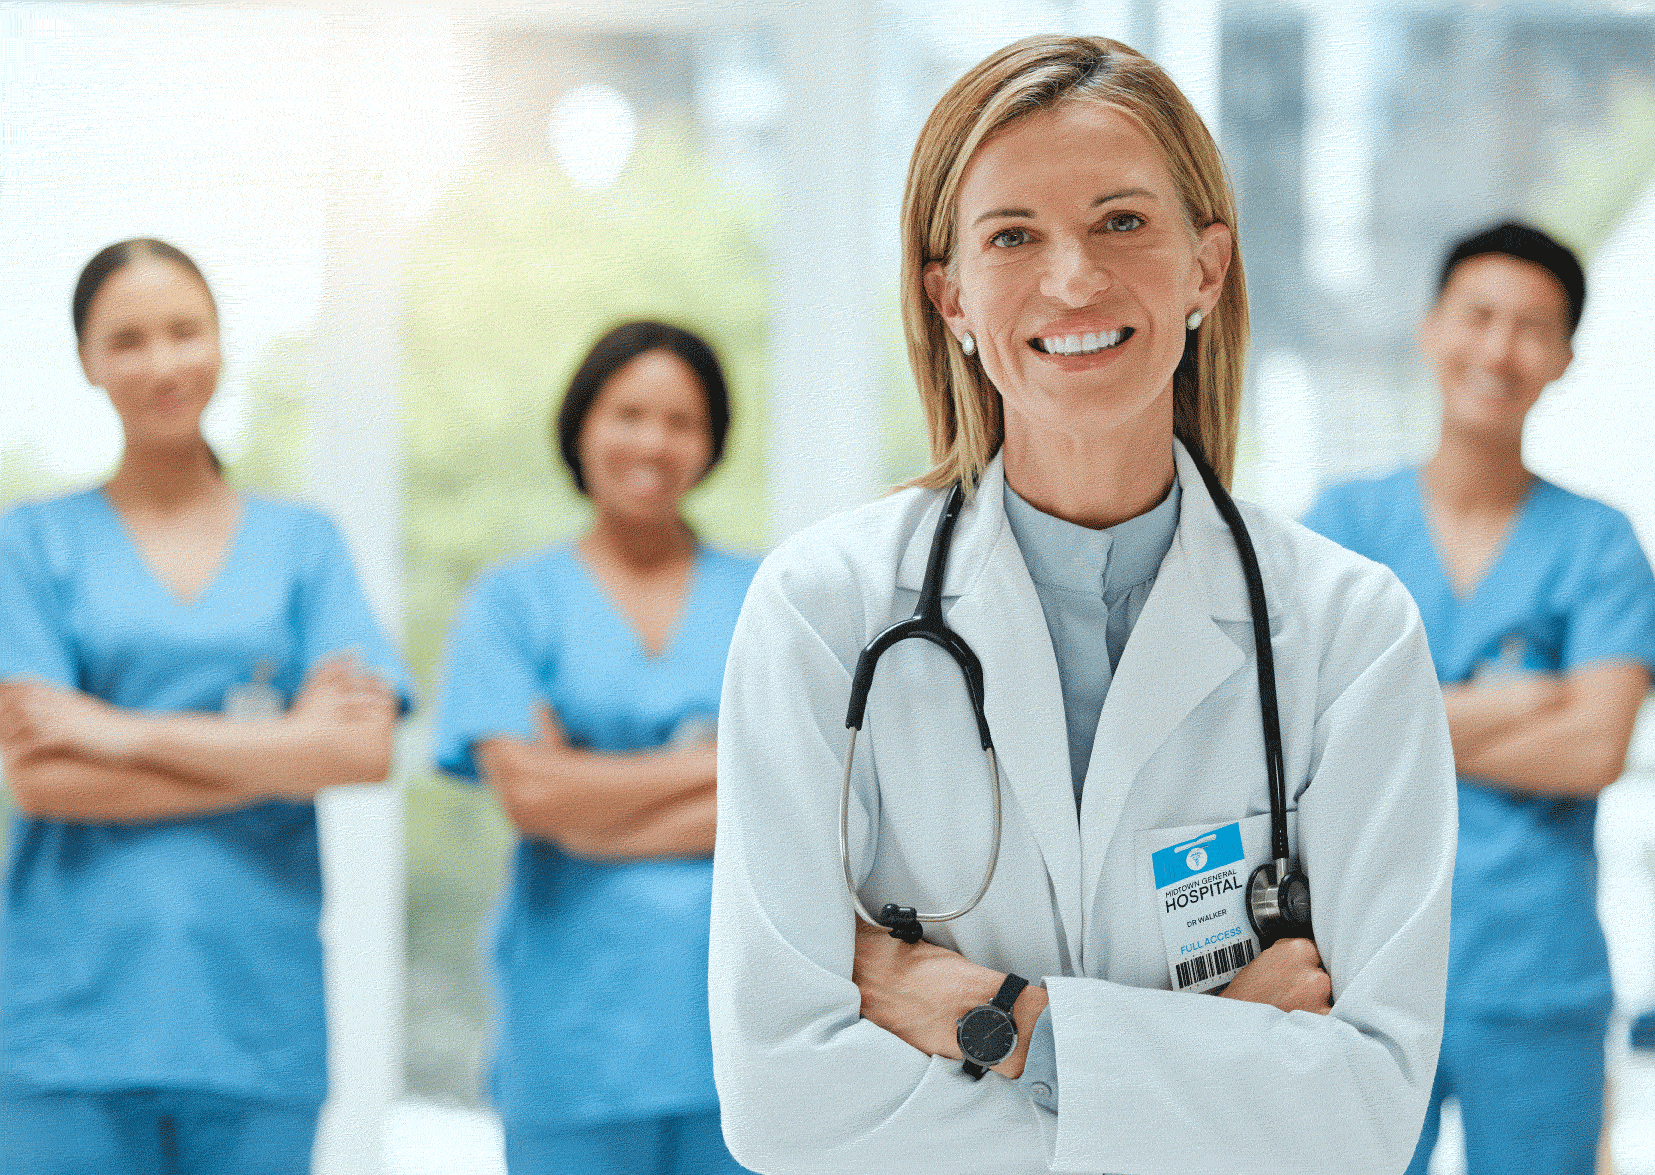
987	1033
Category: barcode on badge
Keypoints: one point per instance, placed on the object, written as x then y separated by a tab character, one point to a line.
1220	962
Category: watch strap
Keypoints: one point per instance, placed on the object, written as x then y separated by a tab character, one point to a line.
1008	993
1003	999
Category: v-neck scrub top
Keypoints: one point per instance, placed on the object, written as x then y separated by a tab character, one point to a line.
179	953
1571	586
601	967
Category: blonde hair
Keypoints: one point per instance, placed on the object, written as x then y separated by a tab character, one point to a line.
962	408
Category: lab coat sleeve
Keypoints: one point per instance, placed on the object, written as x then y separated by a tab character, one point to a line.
805	1084
1165	1082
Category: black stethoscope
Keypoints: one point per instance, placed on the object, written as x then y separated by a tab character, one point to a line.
1278	893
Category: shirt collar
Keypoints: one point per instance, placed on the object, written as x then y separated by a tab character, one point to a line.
1076	558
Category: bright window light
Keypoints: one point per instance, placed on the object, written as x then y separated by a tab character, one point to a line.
592	131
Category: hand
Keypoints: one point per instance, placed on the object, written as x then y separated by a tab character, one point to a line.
1288	976
918	992
549	729
915	991
38	719
340	692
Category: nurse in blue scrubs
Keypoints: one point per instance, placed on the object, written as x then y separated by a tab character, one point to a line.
582	684
1540	608
182	667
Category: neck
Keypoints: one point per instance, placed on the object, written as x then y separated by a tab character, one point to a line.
1095	479
165	478
642	546
1473	473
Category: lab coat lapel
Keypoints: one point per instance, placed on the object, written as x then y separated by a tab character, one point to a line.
999	615
1176	656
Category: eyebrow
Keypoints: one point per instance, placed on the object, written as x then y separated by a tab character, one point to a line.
1027	214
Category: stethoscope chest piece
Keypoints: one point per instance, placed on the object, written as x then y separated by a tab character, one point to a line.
1278	902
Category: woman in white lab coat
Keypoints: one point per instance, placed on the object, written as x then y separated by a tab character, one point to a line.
1076	316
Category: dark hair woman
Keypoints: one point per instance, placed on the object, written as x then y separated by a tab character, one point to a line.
182	668
582	683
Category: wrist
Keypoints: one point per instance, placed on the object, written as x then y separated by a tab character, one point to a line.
1031	1001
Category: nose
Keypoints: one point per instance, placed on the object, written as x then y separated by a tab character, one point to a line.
1075	276
169	357
653	436
1499	347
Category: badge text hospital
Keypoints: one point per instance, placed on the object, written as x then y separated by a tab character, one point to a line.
1200	882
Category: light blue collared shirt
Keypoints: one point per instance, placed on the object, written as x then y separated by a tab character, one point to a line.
1092	586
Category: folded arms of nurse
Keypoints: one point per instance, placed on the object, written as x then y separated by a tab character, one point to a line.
1562	735
605	804
72	757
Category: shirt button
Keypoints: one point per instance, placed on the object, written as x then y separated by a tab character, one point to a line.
1041	1089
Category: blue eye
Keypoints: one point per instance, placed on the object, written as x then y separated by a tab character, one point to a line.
1008	238
1123	222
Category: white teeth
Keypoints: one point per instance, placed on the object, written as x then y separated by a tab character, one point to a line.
1082	344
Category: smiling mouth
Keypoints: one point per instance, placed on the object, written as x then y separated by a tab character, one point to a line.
1091	343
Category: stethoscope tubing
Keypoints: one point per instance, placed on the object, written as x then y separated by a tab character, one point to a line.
927	623
1264	657
844	845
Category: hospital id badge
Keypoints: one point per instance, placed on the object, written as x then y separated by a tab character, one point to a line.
256	700
1199	874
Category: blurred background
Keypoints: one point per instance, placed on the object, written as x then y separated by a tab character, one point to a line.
416	219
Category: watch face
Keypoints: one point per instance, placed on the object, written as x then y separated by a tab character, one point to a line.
987	1035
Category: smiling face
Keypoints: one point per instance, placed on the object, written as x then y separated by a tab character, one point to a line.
1075	268
1497	336
150	341
646	440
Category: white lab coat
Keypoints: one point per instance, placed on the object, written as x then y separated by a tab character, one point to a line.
1150	1080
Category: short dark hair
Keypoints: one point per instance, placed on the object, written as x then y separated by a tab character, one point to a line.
1525	244
615	350
111	259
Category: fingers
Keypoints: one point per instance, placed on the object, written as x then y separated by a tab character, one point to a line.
1301	952
547	725
341	690
1310	988
1288	976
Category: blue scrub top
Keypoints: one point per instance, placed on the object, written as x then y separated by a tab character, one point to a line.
1571	586
182	953
601	967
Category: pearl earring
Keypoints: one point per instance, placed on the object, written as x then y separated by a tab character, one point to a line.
968	343
1194	320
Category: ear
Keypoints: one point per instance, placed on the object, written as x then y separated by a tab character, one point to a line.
944	293
94	375
1429	334
1565	356
1214	247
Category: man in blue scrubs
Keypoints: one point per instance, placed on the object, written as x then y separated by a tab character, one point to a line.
1540	607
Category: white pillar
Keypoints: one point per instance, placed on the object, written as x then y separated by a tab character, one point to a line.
1188	45
1341	143
1592	430
1289	442
353	468
825	359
